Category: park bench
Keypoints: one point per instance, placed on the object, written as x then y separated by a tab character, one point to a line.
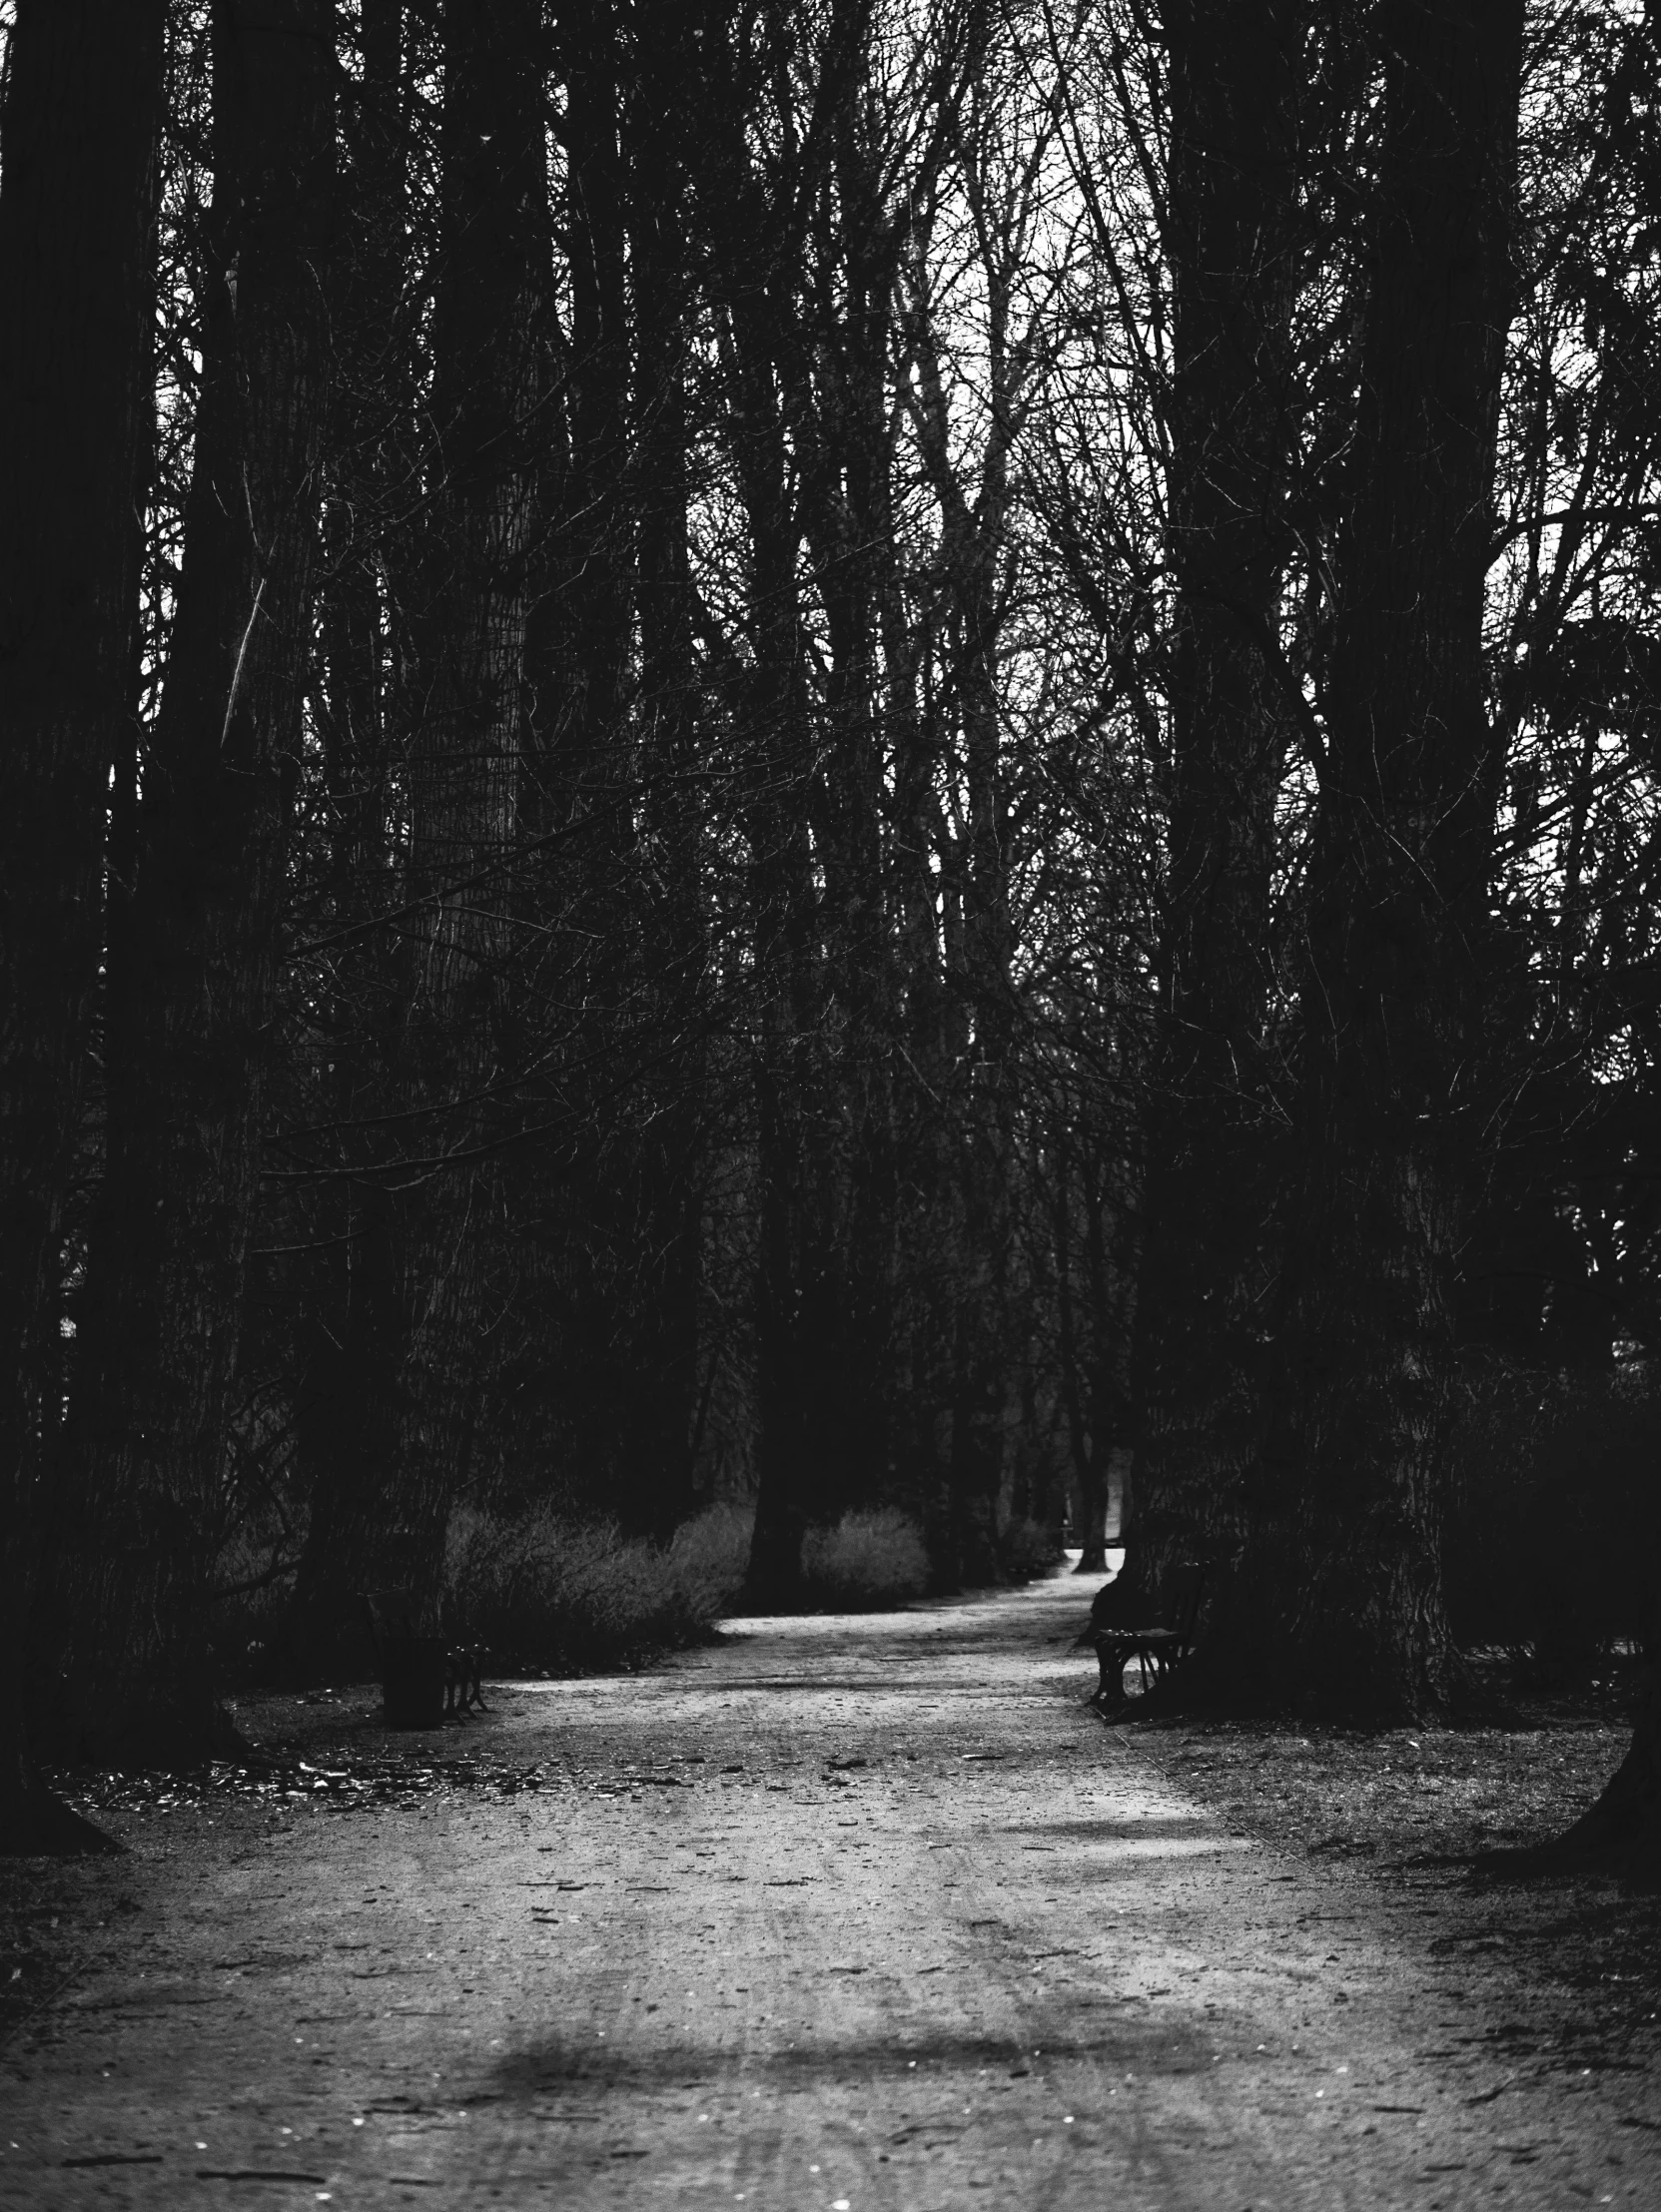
1160	1644
426	1679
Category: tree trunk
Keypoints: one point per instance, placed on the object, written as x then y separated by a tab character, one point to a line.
349	1299
1338	1602
671	1148
469	749
77	281
782	902
1089	1491
974	509
769	698
1110	1249
1624	1824
153	1383
599	346
1235	83
979	1413
347	1435
1627	1815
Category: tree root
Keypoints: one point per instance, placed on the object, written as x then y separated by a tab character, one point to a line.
1622	1830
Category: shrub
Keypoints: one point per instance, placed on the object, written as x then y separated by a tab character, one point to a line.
542	1590
710	1557
867	1560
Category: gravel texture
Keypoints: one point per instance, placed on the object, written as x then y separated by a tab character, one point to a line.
846	1911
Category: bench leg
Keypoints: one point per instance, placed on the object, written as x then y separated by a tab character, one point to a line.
1110	1661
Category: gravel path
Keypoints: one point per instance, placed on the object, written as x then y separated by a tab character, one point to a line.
860	1912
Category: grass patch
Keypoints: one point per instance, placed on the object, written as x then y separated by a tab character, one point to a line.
1391	1819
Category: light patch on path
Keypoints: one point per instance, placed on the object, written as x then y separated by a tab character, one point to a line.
865	1912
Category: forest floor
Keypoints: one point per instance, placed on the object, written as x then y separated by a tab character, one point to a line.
768	1927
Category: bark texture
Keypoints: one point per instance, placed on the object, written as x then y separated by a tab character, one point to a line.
1348	1497
467	748
77	225
669	1153
1235	84
351	1341
155	1374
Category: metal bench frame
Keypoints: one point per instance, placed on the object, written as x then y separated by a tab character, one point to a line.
398	1616
1161	1647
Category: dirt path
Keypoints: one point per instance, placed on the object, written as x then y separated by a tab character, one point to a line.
863	1912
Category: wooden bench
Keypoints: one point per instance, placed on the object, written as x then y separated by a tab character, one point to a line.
427	1679
1159	1646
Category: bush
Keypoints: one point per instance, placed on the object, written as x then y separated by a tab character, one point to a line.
710	1557
542	1590
1555	1513
867	1560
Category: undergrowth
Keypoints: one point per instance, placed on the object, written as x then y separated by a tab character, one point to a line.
541	1590
545	1590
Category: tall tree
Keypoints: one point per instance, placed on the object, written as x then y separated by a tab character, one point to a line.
668	1151
591	61
77	233
1345	1501
350	1332
1233	179
751	225
999	169
467	748
188	1076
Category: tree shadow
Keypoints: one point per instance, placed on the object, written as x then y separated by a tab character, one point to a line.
1153	2043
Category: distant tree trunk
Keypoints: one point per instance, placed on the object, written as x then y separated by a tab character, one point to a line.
77	283
1089	1488
849	1267
597	587
467	752
926	1017
1340	1596
670	1150
769	702
351	1338
804	276
782	904
848	515
1235	83
153	1382
979	1412
347	1432
1094	1348
974	508
1112	1249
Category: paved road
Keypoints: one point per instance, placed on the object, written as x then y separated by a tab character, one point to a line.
866	1914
